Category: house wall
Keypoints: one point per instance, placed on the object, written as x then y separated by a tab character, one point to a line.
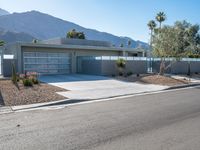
109	68
180	67
85	42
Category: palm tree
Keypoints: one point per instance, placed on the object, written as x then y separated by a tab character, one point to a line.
2	43
161	17
152	25
121	45
73	34
129	43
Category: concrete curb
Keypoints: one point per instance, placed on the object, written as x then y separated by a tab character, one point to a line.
69	101
73	101
5	110
37	105
183	86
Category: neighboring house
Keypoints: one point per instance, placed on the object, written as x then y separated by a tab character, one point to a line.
58	56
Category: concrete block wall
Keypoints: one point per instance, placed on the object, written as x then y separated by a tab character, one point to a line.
180	67
92	67
108	67
156	67
195	67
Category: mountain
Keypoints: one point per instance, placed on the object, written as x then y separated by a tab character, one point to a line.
10	37
3	12
43	26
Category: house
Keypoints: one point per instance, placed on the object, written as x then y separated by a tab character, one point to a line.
58	56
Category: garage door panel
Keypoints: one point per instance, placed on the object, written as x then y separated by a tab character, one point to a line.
47	63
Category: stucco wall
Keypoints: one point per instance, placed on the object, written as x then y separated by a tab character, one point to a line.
180	67
108	67
77	42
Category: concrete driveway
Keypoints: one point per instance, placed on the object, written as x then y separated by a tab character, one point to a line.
86	87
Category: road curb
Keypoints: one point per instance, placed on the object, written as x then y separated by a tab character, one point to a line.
68	102
74	101
183	86
5	110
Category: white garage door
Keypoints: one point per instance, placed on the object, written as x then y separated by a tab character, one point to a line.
47	63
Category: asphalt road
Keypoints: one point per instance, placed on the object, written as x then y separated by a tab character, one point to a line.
165	121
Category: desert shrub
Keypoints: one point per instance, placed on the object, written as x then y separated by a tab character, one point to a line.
22	76
29	78
120	73
129	73
121	65
113	75
34	77
35	81
27	82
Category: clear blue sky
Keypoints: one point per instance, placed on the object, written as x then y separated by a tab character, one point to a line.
119	17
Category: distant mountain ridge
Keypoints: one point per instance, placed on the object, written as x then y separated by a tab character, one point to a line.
3	12
43	26
11	37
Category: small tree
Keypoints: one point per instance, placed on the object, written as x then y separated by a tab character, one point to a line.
165	45
121	45
121	65
177	41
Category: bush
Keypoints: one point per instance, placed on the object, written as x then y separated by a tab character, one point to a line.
129	73
27	82
113	75
35	81
120	73
121	63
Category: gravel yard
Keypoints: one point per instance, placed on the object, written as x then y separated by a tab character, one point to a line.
153	79
11	95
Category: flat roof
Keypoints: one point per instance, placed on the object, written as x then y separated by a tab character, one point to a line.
80	47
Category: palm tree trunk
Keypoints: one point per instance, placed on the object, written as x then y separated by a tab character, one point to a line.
151	39
160	25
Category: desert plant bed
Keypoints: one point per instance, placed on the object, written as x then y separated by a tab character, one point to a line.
12	95
153	79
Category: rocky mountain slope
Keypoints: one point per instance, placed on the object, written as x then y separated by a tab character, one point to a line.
43	26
